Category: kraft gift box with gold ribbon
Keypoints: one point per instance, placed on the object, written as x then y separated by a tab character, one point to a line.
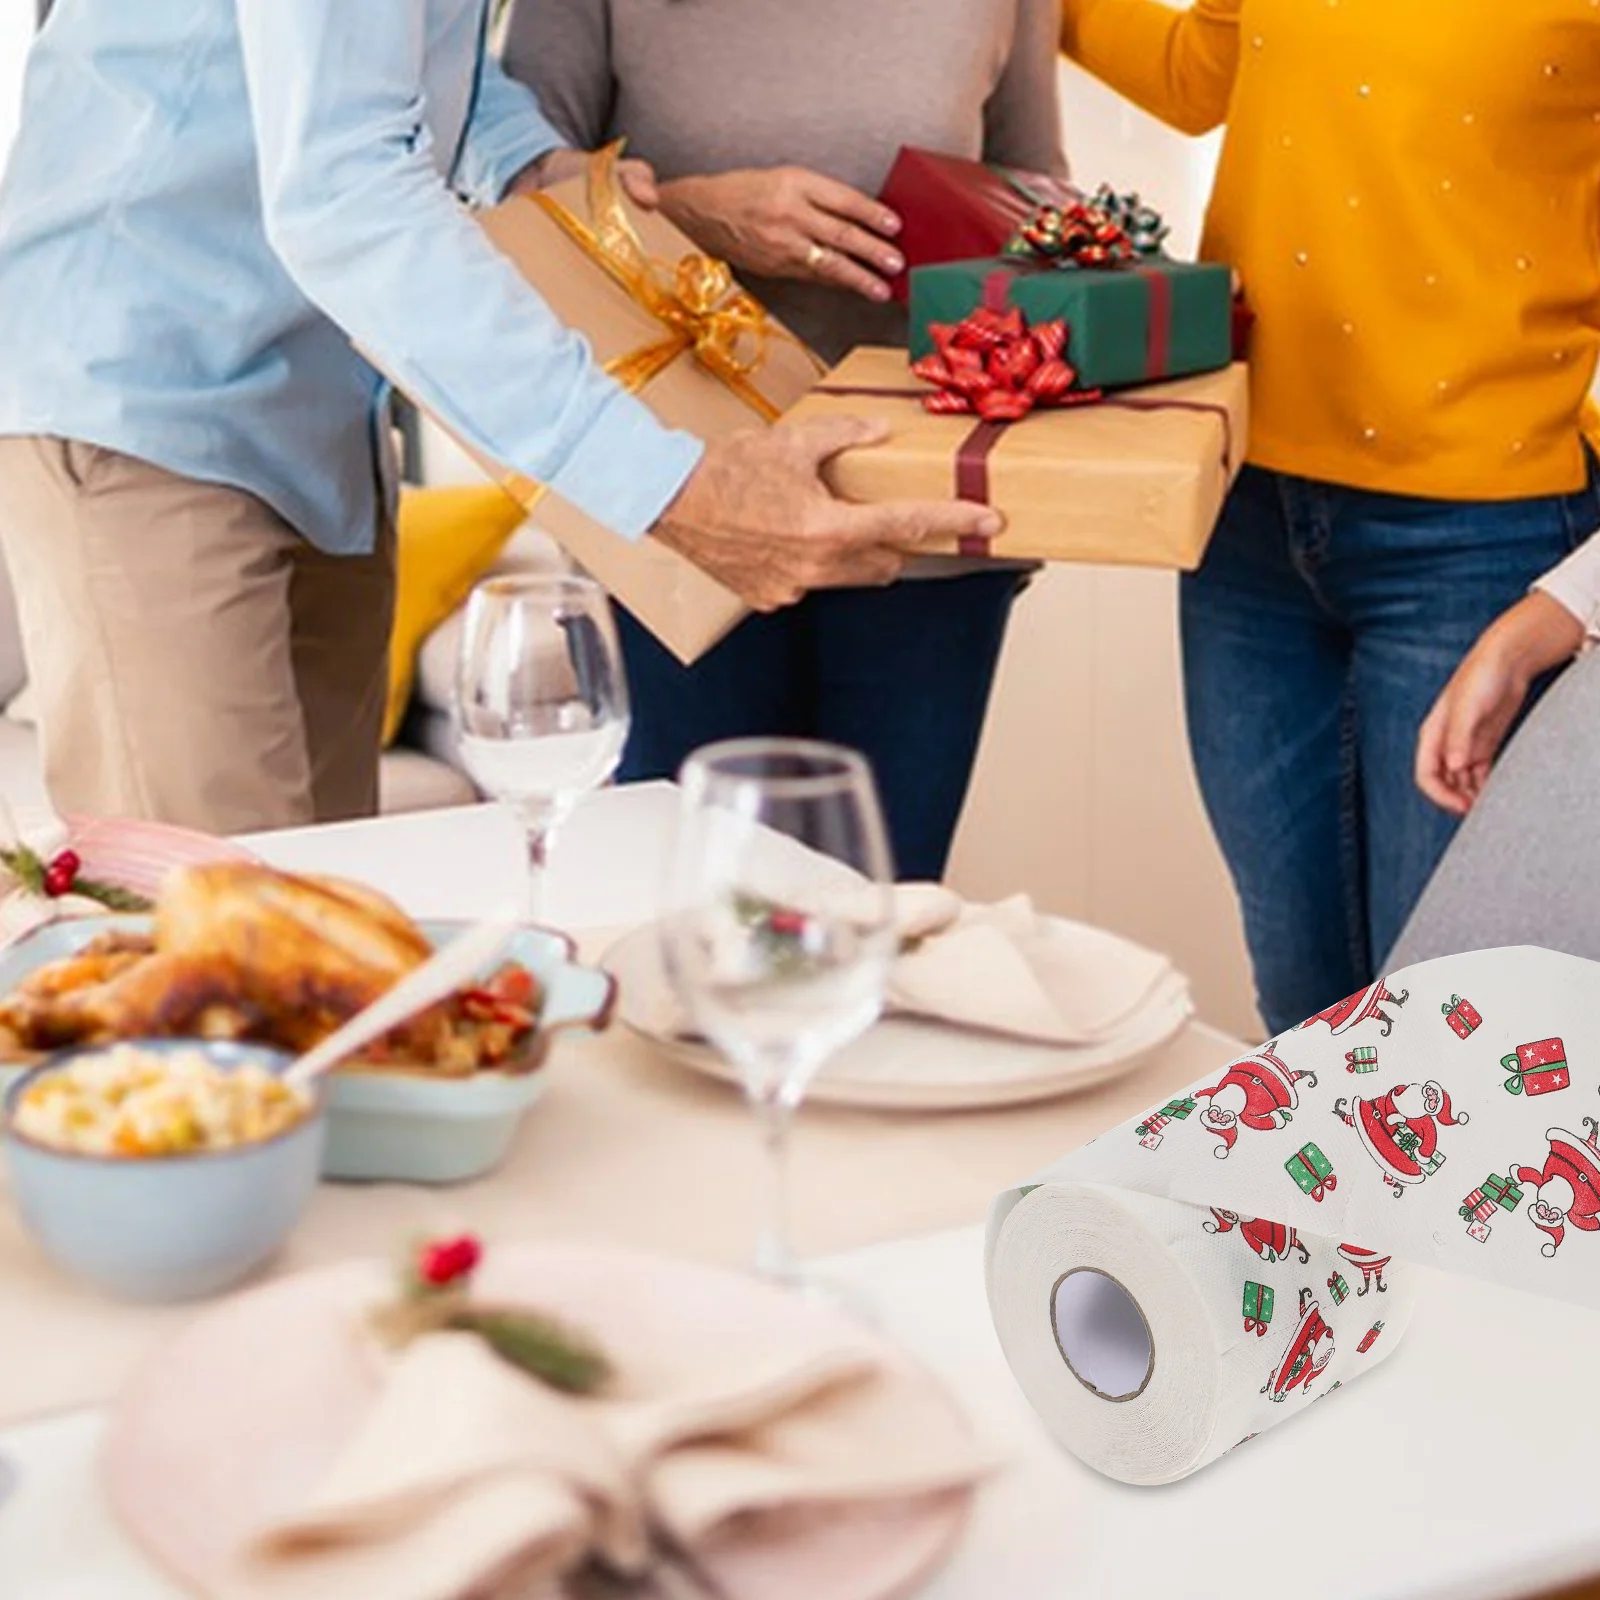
1137	479
672	326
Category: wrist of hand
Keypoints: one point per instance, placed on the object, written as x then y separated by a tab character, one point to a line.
1536	635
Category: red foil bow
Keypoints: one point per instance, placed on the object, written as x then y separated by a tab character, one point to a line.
994	366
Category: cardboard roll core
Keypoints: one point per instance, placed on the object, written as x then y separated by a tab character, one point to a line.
1102	1334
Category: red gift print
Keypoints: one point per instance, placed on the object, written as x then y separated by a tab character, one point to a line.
1462	1016
1537	1068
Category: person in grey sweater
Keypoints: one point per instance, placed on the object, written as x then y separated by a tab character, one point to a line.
771	126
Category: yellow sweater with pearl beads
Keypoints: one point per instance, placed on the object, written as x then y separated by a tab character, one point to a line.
1410	192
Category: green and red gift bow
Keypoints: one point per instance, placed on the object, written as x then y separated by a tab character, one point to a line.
1108	230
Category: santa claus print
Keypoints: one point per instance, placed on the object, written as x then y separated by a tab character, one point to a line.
1272	1241
1400	1130
1369	1264
1567	1191
1307	1357
1362	1007
1257	1091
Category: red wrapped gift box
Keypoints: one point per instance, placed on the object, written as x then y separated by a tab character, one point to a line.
1538	1068
1462	1016
951	209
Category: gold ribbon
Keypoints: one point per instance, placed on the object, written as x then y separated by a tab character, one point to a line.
701	307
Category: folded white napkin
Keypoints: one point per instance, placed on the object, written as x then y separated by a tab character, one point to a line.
1006	969
468	1477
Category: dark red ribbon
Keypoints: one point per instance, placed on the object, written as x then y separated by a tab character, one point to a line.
997	288
973	453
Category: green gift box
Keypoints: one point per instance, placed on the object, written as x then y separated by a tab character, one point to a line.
1258	1298
1312	1172
1142	322
1179	1110
1503	1191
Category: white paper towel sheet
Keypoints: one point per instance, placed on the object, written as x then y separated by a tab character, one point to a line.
1446	1116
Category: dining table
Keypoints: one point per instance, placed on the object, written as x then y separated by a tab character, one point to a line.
1458	1470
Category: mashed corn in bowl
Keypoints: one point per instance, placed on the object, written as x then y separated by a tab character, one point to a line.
129	1100
162	1169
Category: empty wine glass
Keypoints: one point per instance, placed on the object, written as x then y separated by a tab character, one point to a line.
541	701
779	929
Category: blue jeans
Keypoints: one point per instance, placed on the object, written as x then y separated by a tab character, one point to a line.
902	674
1316	636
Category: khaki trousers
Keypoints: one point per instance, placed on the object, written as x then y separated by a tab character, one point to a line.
193	660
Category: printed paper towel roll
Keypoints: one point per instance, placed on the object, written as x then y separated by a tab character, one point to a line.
1446	1116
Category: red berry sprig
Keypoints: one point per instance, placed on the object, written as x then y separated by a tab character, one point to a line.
435	1297
444	1263
62	874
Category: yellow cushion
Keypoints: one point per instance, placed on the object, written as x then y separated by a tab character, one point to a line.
448	539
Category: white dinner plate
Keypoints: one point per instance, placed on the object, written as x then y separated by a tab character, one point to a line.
906	1064
245	1410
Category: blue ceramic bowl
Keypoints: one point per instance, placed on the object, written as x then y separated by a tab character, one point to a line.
164	1228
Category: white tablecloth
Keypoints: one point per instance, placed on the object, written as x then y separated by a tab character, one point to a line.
1459	1469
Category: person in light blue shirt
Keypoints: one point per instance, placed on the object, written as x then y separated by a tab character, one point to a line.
212	209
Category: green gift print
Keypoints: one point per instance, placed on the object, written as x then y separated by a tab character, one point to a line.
1258	1298
1312	1172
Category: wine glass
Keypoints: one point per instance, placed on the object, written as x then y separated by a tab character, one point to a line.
541	701
780	926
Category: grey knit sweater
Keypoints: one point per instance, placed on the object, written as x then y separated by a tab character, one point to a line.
704	86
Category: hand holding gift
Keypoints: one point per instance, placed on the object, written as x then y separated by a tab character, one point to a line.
755	524
758	516
789	222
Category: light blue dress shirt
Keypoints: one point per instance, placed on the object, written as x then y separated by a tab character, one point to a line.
211	201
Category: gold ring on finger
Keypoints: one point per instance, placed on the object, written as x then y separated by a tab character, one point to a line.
817	256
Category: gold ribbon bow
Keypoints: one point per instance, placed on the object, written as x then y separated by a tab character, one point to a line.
697	300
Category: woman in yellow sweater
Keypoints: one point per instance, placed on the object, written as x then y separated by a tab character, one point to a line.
1410	192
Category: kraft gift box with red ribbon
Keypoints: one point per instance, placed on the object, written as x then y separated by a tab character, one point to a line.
1134	321
1130	479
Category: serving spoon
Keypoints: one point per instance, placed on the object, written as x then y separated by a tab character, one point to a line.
436	979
